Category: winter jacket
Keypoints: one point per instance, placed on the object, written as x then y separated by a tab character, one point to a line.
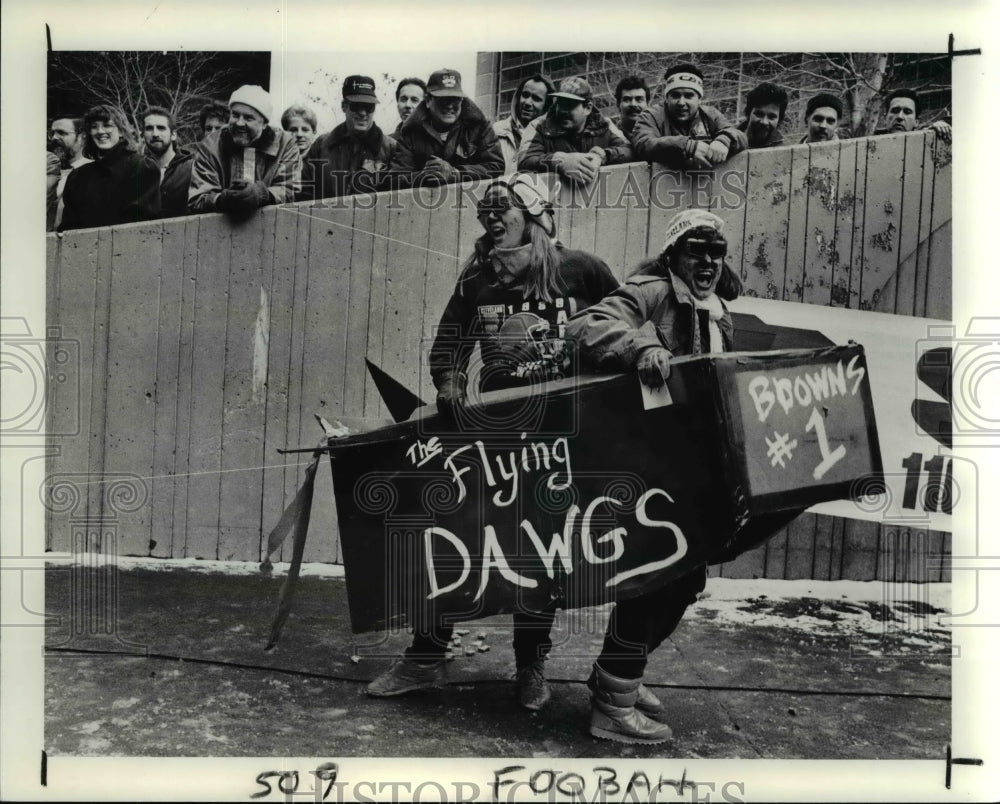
339	163
218	160
175	183
538	147
481	310
120	187
510	132
658	139
646	311
470	146
774	138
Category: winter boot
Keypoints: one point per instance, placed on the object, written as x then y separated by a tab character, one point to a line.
532	689
646	702
613	715
406	675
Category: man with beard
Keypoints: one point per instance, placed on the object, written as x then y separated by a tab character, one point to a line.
160	136
446	139
823	113
349	159
574	139
901	111
529	102
683	132
248	164
765	112
66	140
632	98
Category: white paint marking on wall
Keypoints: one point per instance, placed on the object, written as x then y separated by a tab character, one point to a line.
261	330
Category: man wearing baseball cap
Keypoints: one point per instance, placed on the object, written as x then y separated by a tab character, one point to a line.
682	132
248	164
446	138
350	158
574	139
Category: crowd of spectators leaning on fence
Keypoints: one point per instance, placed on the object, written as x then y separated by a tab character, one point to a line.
100	172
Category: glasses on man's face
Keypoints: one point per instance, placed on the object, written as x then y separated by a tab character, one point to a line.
359	107
497	205
702	247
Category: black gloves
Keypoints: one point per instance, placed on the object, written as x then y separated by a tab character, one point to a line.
243	200
451	394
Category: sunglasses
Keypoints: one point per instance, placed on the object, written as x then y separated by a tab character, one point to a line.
700	247
359	107
496	205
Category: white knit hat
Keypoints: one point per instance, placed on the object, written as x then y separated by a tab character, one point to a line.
687	220
255	97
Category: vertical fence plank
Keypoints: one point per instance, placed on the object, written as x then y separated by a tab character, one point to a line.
765	233
168	349
776	554
611	223
822	188
669	193
795	251
938	293
325	357
861	544
99	387
883	199
376	311
751	564
359	308
823	547
900	294
186	390
801	545
843	238
728	201
278	482
928	174
637	234
207	382
406	269
859	229
243	403
131	380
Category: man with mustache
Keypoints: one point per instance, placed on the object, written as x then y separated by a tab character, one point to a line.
902	108
683	132
160	136
632	98
446	139
823	113
66	139
765	112
574	139
248	164
529	102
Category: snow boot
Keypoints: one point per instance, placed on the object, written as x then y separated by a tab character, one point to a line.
613	715
646	702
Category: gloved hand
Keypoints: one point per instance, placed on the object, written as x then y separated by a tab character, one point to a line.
443	168
451	394
653	366
580	168
243	199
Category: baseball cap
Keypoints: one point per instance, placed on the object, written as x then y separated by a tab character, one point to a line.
445	83
360	89
574	88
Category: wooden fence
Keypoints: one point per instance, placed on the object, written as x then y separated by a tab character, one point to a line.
205	345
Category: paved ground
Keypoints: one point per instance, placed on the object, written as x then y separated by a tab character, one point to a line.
812	674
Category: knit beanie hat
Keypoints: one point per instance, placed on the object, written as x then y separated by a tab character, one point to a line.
689	219
825	99
529	193
255	97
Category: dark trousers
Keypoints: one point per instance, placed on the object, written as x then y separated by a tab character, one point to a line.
532	638
638	625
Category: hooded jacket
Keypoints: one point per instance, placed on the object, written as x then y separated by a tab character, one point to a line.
277	165
510	132
470	146
538	146
338	163
647	311
658	139
120	187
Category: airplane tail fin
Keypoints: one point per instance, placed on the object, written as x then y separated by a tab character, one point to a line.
399	399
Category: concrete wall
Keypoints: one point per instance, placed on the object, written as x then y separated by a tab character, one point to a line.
204	345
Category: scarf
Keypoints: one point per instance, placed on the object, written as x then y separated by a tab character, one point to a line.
713	306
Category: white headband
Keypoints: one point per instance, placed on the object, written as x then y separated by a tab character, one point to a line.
684	81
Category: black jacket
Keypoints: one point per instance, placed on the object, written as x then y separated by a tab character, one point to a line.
120	187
